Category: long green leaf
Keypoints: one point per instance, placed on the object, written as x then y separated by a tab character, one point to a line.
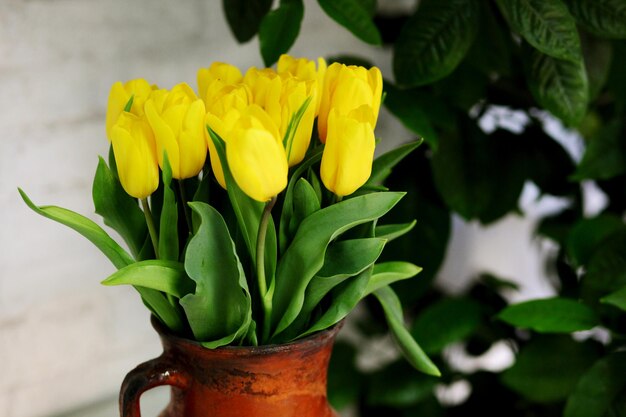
305	203
409	347
550	315
383	165
604	18
389	272
245	16
545	24
559	85
393	231
617	299
161	275
168	230
305	256
118	210
94	233
434	40
279	30
219	311
352	15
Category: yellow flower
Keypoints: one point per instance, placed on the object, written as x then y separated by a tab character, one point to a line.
305	70
347	88
281	96
119	95
256	156
177	118
223	111
349	150
212	79
135	155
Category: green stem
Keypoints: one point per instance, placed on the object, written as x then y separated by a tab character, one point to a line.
151	229
183	199
260	268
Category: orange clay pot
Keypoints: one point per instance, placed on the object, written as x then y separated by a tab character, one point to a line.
265	381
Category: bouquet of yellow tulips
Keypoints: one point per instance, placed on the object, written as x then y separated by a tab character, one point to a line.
243	228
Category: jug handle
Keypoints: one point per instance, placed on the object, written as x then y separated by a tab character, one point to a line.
150	374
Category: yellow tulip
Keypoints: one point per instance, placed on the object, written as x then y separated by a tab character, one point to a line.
347	88
349	150
305	70
223	111
256	156
119	96
212	79
135	155
177	119
281	96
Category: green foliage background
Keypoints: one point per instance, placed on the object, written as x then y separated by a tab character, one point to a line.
453	61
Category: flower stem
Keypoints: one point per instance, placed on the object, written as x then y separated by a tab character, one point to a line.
151	229
183	199
260	268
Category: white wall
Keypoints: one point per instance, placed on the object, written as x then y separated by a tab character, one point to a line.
64	339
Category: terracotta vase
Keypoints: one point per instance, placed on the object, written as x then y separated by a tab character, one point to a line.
265	381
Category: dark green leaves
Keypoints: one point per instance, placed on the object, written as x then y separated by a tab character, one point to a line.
604	18
605	156
558	85
606	270
219	309
617	299
279	30
598	388
546	24
435	40
587	234
168	230
244	16
551	315
383	165
548	368
354	16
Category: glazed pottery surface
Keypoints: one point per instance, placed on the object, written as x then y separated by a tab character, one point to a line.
265	381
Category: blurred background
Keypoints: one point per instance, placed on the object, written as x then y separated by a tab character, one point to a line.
66	342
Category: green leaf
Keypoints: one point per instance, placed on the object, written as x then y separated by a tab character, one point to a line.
598	54
434	40
480	176
411	112
345	297
354	16
219	311
305	203
383	165
409	347
604	18
448	321
606	270
279	30
546	24
387	273
399	386
344	379
118	210
596	390
617	299
305	256
587	234
393	231
168	230
244	16
94	233
203	191
161	275
550	315
559	85
605	156
548	368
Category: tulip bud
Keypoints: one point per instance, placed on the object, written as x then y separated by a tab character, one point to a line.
212	79
256	156
304	70
282	96
177	118
119	96
135	155
347	88
349	150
